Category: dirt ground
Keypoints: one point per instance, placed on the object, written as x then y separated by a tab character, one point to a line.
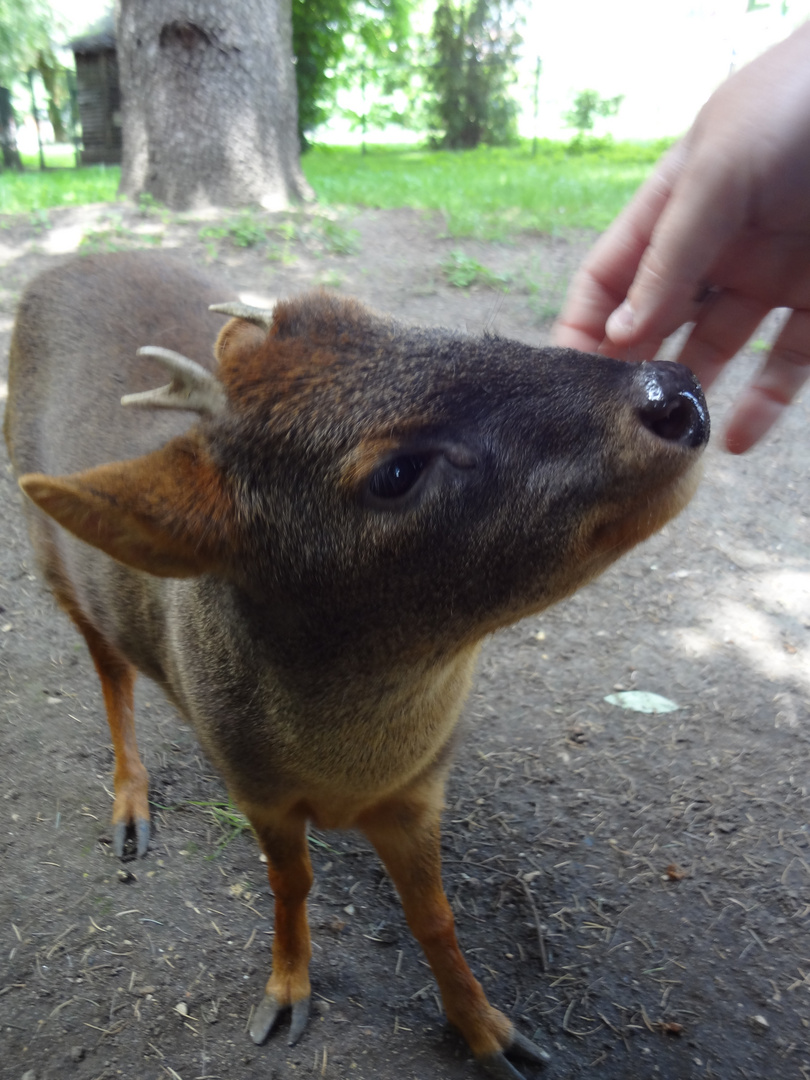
633	890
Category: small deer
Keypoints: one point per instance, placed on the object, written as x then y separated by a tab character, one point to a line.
303	539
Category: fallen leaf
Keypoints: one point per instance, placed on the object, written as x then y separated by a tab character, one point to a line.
643	701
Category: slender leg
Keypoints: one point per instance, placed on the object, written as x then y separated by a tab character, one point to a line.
117	677
284	842
131	805
405	832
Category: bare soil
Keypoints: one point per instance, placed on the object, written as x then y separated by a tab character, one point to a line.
634	890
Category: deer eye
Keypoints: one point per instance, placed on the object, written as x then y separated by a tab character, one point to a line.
396	477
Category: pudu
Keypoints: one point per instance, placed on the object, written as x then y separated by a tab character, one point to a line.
304	538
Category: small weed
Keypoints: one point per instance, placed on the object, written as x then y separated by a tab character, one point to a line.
287	230
331	279
243	231
230	821
339	240
40	221
116	238
546	294
233	823
463	271
147	202
316	841
149	207
759	345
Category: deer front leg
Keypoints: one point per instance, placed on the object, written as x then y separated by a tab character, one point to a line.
284	842
405	832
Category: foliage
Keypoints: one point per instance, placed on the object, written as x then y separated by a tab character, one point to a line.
333	40
588	104
475	47
25	27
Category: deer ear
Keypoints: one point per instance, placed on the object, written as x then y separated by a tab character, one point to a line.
165	513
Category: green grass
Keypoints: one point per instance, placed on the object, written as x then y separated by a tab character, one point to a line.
58	185
488	193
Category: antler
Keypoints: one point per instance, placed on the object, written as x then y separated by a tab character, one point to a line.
262	317
192	387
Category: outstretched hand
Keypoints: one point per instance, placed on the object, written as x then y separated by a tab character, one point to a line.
718	236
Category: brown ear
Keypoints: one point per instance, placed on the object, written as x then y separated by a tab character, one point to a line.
166	513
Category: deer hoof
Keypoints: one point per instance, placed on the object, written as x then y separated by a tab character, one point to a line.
499	1067
268	1012
122	831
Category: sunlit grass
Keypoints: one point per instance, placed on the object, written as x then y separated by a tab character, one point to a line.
57	156
488	192
58	185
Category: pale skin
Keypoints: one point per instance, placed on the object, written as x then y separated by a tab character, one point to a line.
718	237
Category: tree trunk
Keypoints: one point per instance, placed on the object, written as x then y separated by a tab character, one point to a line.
209	108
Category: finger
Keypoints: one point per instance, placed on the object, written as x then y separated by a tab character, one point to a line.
609	269
723	326
785	372
587	305
634	354
705	211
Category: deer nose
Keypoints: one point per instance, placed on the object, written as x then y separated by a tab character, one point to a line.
672	404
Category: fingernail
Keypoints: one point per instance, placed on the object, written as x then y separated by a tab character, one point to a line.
620	323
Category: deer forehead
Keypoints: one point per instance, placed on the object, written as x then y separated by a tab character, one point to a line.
330	362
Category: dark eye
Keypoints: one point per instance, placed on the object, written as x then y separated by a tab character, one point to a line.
397	476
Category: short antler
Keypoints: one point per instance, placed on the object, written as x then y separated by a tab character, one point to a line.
262	317
192	387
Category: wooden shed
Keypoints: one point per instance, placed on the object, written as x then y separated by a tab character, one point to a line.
99	96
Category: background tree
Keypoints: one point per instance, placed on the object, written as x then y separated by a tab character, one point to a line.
209	102
475	48
25	31
53	75
336	42
587	106
25	44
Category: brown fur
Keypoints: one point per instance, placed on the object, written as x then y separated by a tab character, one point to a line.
320	637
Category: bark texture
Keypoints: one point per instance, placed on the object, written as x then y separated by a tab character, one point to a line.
209	104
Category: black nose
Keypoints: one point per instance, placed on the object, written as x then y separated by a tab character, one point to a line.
672	403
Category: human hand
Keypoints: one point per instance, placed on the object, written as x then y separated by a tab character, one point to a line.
718	236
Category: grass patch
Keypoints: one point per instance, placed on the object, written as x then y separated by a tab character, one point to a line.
489	192
57	156
21	193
